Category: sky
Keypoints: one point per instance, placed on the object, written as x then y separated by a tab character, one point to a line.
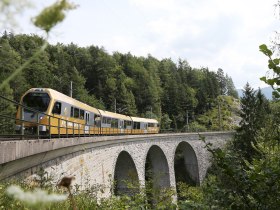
216	34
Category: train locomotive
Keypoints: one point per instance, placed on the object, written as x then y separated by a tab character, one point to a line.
48	112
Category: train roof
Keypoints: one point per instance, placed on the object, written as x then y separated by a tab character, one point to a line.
147	120
114	115
64	98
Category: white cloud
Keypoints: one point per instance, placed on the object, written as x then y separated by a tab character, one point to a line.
214	33
218	34
154	4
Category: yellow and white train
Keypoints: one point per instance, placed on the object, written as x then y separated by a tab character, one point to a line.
59	114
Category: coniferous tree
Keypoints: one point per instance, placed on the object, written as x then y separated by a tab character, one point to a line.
246	174
9	62
222	81
231	90
254	107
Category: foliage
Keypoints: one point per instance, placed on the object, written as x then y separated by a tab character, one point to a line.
237	184
222	81
7	112
246	174
273	64
24	197
190	197
221	114
137	86
195	127
52	15
226	85
165	122
8	64
46	20
254	110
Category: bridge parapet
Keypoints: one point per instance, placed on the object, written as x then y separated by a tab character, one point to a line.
16	149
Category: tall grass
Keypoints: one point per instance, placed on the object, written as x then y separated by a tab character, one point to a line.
15	194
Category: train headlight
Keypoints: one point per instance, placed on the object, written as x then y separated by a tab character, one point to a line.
41	118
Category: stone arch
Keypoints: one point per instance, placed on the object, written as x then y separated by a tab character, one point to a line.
186	165
156	168
126	179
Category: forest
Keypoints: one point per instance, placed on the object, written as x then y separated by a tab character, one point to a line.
139	86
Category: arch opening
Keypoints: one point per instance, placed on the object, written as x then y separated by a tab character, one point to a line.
185	166
126	181
157	177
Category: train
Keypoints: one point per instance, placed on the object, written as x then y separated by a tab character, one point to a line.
45	111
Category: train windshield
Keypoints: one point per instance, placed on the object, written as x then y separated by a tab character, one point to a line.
37	101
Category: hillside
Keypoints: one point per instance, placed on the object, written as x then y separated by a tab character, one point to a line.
222	115
267	91
136	86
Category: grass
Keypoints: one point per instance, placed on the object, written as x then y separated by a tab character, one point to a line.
17	194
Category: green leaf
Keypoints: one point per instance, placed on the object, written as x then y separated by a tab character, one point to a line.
270	81
263	48
276	61
276	94
52	15
263	79
271	65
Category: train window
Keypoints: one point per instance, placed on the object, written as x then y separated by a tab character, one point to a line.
114	123
136	125
97	120
127	124
82	114
121	124
76	112
104	120
87	117
57	108
152	125
38	101
72	111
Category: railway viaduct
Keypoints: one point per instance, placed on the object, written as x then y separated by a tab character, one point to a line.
103	160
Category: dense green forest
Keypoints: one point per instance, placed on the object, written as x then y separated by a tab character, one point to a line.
138	86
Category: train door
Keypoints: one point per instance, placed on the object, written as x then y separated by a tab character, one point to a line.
87	122
121	126
145	127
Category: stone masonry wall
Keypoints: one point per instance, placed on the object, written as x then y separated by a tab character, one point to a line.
93	162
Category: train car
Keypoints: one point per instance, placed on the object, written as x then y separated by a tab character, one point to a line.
46	111
56	114
144	125
114	123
